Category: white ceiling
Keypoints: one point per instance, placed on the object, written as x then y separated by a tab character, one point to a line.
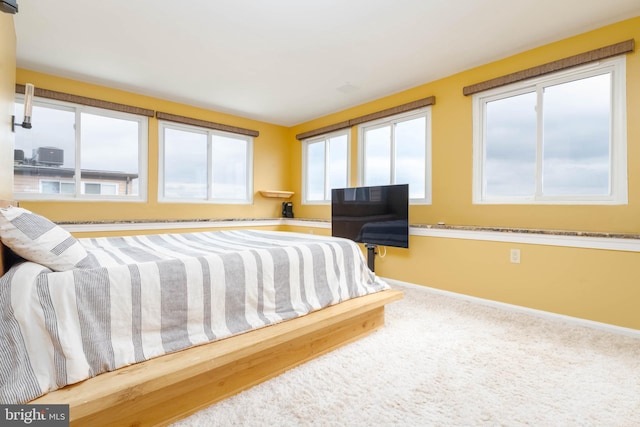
288	61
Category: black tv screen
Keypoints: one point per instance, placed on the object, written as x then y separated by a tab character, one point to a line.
377	215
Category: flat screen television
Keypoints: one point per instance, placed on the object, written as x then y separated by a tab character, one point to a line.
376	215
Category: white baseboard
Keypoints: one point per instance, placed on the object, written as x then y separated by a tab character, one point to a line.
633	333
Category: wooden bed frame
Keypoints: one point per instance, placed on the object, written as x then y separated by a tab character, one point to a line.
165	389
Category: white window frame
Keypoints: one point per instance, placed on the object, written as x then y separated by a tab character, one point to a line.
305	149
248	197
391	121
78	109
618	140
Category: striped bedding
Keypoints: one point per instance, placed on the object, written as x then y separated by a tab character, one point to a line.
156	294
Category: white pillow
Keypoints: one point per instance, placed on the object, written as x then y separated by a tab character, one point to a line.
39	240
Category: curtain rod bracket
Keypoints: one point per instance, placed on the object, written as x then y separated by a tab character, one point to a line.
25	124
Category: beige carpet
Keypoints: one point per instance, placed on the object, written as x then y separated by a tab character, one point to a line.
442	361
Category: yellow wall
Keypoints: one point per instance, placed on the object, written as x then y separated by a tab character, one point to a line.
599	285
7	91
270	170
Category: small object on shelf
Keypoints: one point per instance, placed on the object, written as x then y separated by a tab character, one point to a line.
287	210
276	193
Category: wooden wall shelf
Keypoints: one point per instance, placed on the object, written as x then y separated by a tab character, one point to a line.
276	194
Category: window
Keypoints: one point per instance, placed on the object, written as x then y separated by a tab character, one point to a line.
397	150
325	166
100	188
79	152
198	164
560	138
57	187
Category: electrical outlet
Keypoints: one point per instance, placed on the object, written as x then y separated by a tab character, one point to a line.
514	256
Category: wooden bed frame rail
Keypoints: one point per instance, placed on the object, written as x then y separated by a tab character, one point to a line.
165	389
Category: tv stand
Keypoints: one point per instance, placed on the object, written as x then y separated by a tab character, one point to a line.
371	256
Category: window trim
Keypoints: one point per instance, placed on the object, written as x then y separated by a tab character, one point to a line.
618	137
305	148
163	124
78	109
428	161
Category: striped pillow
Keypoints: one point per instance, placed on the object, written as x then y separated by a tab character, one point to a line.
39	240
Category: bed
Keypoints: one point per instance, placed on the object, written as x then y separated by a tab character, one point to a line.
122	344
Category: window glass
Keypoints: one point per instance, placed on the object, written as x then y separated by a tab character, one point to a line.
48	147
510	165
50	187
410	167
109	189
67	187
315	171
110	144
91	188
229	168
338	167
577	122
377	155
326	166
185	164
